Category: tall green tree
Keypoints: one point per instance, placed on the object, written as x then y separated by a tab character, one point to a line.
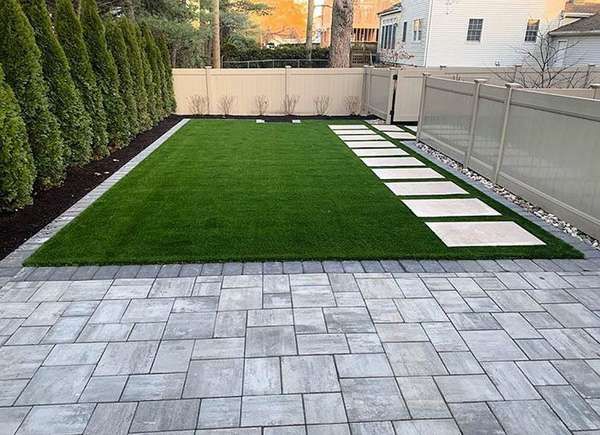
116	43
65	100
149	80
164	51
154	58
17	171
21	59
70	35
106	73
128	27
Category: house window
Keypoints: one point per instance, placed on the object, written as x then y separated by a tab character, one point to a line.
533	28
383	37
404	31
475	29
417	30
394	29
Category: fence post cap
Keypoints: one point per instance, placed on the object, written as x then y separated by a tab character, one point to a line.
480	80
595	86
513	85
288	66
208	67
426	74
518	65
591	65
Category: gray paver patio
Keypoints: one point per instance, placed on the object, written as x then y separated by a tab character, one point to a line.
506	350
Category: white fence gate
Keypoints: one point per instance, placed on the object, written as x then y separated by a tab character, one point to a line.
543	147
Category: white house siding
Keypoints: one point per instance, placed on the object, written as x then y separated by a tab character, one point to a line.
582	49
411	10
503	37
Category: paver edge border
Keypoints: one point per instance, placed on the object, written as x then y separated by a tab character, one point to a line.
17	257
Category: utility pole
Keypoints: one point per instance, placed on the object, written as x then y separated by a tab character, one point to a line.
309	28
216	34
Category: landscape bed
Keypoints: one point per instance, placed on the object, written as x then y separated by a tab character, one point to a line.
233	190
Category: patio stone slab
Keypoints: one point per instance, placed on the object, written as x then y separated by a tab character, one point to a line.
492	346
55	385
467	388
407	174
373	399
57	419
353	131
270	341
414	359
528	417
379	152
214	378
166	415
380	162
425	188
272	410
370	144
309	374
462	234
449	207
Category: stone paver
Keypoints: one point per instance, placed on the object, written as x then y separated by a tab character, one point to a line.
446	347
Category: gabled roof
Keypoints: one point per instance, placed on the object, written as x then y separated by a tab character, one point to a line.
397	7
587	26
582	7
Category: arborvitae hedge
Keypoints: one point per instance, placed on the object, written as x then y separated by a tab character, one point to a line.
20	58
137	71
164	51
157	70
65	101
17	171
150	85
106	73
116	43
70	34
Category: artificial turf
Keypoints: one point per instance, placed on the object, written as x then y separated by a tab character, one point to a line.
232	190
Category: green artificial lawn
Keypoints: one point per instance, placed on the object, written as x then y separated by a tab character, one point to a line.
239	191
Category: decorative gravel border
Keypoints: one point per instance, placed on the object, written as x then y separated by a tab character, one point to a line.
551	223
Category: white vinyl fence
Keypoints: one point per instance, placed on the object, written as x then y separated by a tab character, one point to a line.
208	91
541	146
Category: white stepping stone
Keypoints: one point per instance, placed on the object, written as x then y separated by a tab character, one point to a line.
347	137
387	127
349	127
425	188
296	121
449	207
374	162
352	132
260	121
374	152
462	234
404	135
370	144
406	173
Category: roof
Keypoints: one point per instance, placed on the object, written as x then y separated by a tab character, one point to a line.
397	7
588	25
582	7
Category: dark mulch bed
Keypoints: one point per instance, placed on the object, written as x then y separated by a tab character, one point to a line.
17	227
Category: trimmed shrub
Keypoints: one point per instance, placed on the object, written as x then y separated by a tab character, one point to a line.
114	39
104	66
17	171
20	58
132	42
65	101
149	80
154	58
70	35
164	51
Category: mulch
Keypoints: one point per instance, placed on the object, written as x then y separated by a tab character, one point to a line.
16	227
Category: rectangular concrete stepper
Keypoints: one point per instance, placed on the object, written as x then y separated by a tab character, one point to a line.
449	207
375	152
370	136
374	162
386	127
370	144
459	234
425	188
352	132
348	127
401	135
407	173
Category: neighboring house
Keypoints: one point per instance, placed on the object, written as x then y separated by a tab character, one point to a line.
579	42
365	24
471	32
